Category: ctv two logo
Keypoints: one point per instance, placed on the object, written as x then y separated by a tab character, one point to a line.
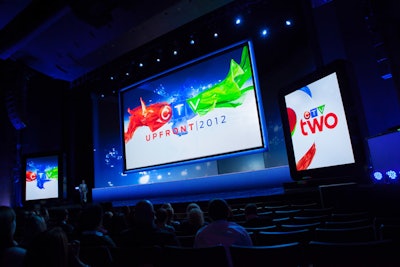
316	121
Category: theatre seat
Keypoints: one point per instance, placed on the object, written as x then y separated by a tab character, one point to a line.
195	257
283	255
302	236
96	256
345	234
350	254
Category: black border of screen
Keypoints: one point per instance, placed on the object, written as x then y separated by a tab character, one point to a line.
354	172
61	174
263	128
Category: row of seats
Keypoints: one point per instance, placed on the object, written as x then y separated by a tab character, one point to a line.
294	254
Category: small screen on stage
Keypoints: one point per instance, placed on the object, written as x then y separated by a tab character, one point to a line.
42	176
207	109
317	127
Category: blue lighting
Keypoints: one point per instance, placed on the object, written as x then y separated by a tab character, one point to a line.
386	76
238	21
140	64
264	32
391	174
175	52
288	23
192	42
378	176
215	35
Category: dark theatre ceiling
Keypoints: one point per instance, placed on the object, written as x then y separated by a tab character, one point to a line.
66	39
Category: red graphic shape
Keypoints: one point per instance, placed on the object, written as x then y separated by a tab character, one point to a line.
306	160
30	176
292	119
153	116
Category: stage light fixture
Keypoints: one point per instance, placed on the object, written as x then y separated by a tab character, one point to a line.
215	35
378	176
141	64
238	21
175	52
288	23
264	32
391	174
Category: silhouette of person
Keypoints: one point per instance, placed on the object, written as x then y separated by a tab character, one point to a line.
83	190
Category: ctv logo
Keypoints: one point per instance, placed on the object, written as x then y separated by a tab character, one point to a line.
315	120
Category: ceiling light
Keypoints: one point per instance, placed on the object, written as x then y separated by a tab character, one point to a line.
238	21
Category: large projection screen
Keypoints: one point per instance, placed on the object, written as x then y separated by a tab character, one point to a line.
206	109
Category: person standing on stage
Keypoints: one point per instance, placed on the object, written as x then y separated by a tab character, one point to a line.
83	190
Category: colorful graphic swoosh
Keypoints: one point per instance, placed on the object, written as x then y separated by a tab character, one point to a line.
308	157
228	93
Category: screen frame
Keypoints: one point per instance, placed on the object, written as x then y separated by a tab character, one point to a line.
352	109
189	64
60	178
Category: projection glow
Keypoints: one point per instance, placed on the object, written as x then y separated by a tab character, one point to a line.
205	109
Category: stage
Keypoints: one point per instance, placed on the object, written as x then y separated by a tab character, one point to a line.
252	184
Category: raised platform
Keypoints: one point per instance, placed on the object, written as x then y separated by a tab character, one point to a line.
228	186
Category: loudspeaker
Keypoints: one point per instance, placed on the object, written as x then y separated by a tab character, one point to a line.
15	100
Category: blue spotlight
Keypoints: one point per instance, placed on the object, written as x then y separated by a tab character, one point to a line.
175	52
391	174
140	64
378	176
238	21
215	35
288	23
264	33
192	42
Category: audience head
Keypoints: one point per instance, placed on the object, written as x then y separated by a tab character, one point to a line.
250	209
91	217
44	212
170	210
7	226
196	217
191	206
218	209
34	225
161	215
144	212
61	215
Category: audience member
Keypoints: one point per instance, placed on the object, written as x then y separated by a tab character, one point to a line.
11	254
51	249
194	220
171	215
253	219
221	231
62	220
90	228
34	225
161	220
114	222
144	232
44	213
